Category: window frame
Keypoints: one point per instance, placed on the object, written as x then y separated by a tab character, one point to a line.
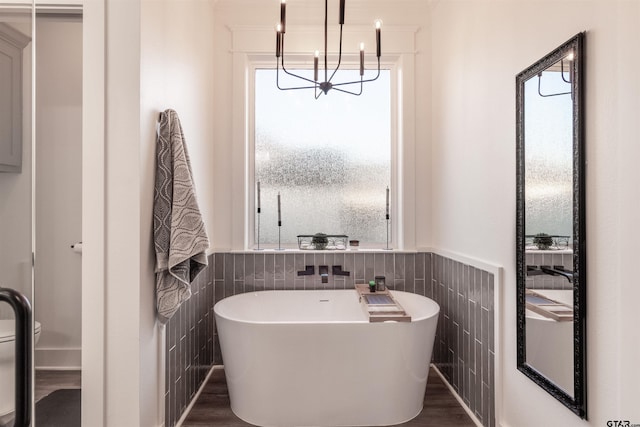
239	46
256	62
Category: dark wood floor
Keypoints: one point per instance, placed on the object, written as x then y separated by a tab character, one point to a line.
49	381
46	382
441	409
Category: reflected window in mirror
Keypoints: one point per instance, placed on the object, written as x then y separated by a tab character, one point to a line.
549	173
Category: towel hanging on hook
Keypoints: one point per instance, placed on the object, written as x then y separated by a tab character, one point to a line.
180	238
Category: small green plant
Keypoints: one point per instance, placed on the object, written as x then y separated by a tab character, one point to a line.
542	241
319	241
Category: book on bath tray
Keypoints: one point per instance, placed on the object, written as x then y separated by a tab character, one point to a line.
381	306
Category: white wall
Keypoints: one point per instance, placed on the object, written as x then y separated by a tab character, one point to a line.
15	200
93	213
232	17
58	286
176	71
125	253
478	48
154	55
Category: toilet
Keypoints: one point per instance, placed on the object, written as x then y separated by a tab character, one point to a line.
7	363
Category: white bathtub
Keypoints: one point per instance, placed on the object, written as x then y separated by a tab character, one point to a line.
311	358
550	343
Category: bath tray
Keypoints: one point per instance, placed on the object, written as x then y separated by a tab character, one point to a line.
380	306
548	308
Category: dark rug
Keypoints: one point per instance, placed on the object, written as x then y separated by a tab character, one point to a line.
59	409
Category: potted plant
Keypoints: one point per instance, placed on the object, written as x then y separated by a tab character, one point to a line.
319	241
542	241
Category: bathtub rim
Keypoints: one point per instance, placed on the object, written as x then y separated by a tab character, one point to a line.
323	322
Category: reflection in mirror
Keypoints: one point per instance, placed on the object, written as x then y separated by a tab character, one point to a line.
548	212
548	158
16	32
15	63
550	224
15	151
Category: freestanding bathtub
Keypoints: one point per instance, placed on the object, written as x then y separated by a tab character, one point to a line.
311	358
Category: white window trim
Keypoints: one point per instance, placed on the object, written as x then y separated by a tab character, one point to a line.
348	62
252	50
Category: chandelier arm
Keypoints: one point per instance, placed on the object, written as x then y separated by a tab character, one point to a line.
361	80
348	83
354	82
278	75
291	88
339	57
562	72
349	92
287	71
300	77
296	88
549	94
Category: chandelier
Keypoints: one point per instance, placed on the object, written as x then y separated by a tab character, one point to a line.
325	86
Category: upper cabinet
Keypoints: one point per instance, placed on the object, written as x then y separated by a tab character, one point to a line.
12	43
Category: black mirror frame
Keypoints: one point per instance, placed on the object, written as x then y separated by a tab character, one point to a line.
577	403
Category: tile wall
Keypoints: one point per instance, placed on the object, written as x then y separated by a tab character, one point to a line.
545	281
463	351
189	347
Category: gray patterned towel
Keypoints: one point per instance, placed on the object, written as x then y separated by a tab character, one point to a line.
178	230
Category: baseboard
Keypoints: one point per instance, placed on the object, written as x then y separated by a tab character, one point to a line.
186	412
457	396
58	358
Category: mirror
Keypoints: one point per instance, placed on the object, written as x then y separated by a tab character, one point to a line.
16	179
550	224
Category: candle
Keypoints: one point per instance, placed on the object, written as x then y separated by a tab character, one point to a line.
315	66
278	39
258	196
341	12
279	212
378	25
283	15
387	202
361	59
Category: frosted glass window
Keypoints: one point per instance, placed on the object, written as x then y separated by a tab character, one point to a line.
330	160
548	157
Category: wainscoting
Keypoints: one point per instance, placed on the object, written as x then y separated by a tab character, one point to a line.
189	351
464	349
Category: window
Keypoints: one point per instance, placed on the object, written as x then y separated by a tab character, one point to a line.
549	171
330	159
